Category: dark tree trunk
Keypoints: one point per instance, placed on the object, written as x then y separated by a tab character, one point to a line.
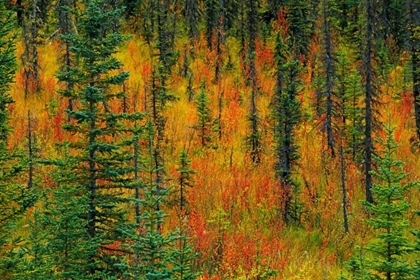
254	138
30	153
414	42
368	74
329	74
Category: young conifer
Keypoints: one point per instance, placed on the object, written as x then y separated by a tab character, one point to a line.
385	253
100	154
286	115
14	198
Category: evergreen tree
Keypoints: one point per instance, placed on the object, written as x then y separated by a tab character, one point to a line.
99	158
149	247
66	23
413	14
204	124
192	14
299	21
350	92
212	11
184	256
286	115
350	126
254	138
14	198
185	179
370	90
35	262
67	242
328	95
32	22
385	253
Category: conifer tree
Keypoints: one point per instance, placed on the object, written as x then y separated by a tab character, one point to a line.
370	91
14	198
212	11
66	25
350	126
67	243
204	118
413	14
254	138
185	179
184	255
299	22
192	15
286	115
32	22
35	262
327	95
385	253
99	156
151	249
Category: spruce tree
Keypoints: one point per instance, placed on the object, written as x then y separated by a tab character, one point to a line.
204	121
14	198
68	243
254	137
285	115
185	179
371	91
35	262
150	249
385	253
413	42
32	24
100	153
327	96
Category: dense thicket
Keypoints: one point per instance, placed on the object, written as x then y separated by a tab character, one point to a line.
220	139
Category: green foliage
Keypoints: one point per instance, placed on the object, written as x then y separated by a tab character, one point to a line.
350	95
150	249
204	123
183	259
98	159
385	253
185	178
286	115
299	20
14	198
68	243
35	262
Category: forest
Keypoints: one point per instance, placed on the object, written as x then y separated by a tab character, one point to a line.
209	139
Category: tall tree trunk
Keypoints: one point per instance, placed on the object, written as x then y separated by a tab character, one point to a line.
368	75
